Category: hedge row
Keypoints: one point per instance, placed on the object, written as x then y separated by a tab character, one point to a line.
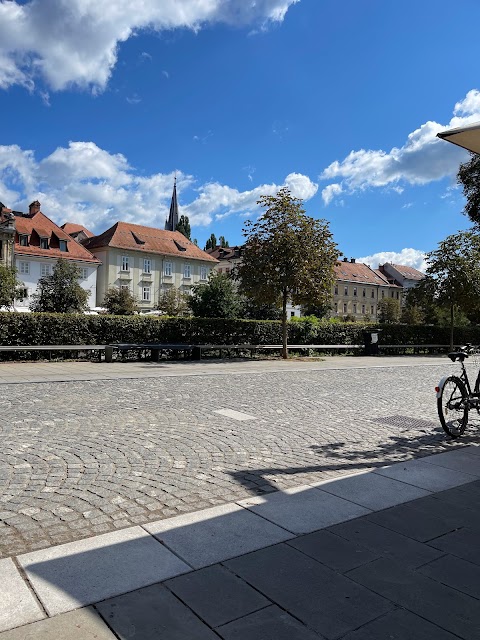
51	328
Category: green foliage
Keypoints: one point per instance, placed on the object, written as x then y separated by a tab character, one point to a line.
120	302
452	278
211	242
252	310
288	256
223	243
50	328
173	302
388	311
60	292
216	299
318	310
184	226
469	177
9	286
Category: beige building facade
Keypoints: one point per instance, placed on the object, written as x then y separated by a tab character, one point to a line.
147	262
7	237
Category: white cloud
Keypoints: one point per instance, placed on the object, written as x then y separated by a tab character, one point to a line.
86	184
422	159
409	257
330	192
75	42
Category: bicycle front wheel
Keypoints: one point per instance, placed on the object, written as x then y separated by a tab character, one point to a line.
453	407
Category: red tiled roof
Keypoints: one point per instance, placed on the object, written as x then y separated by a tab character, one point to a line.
71	227
408	272
135	237
359	272
225	253
38	225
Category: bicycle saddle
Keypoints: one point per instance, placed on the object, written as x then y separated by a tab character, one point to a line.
458	355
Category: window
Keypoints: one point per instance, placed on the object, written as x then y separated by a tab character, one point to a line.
363	308
22	293
354	291
354	308
43	243
336	307
392	292
23	240
292	314
336	289
383	294
345	308
227	269
364	293
167	269
62	245
124	287
24	267
1	249
147	265
125	263
45	269
373	293
186	271
203	273
220	270
83	273
398	295
371	309
146	294
346	291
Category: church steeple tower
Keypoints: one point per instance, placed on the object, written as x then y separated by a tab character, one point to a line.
172	222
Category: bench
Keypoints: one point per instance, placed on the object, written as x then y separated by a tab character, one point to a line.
155	349
417	348
67	348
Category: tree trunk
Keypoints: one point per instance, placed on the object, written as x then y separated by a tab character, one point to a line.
284	326
452	320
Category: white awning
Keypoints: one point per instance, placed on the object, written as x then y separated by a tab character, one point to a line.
466	137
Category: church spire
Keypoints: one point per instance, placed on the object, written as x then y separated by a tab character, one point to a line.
172	222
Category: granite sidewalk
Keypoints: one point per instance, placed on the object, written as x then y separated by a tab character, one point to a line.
390	553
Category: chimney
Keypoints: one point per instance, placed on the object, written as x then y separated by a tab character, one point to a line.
352	260
34	207
345	259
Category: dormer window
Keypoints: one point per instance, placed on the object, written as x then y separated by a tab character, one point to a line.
23	240
62	245
43	243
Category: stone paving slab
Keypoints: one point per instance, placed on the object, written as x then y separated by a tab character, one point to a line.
303	509
456	573
18	605
82	624
373	491
400	625
271	622
206	537
463	460
81	573
426	476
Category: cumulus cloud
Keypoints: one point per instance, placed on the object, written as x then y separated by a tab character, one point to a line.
75	42
422	159
86	184
410	257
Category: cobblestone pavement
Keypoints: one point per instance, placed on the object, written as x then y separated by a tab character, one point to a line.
82	458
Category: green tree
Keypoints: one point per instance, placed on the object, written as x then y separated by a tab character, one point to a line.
184	226
252	310
218	298
173	302
9	286
469	177
223	243
288	256
452	278
388	311
60	292
120	302
211	242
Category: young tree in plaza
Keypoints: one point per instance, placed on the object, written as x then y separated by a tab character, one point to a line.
389	311
287	257
173	302
9	286
453	275
218	298
120	302
60	292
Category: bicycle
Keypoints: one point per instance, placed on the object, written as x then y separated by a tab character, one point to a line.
455	397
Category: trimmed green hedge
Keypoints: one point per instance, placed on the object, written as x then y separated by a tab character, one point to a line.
59	328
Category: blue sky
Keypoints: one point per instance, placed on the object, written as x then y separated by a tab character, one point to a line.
102	102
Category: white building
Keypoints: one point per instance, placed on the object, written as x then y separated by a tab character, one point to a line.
39	243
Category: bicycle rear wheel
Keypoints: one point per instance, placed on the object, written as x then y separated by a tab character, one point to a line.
453	407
